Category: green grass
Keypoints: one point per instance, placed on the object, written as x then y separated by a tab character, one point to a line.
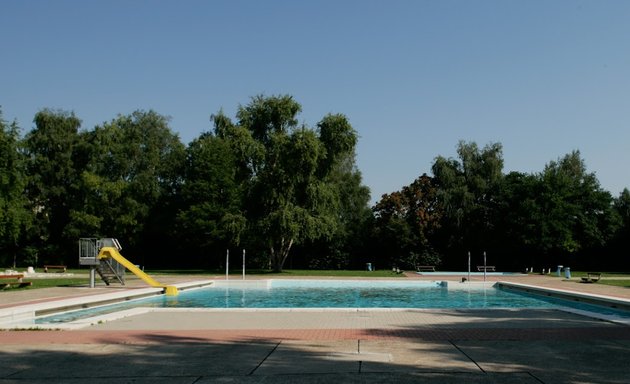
607	274
617	279
81	277
604	274
337	273
52	282
285	273
616	283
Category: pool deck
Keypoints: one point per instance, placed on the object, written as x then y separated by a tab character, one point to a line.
321	346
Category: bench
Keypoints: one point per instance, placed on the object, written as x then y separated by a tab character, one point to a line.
18	280
487	268
591	277
62	267
426	268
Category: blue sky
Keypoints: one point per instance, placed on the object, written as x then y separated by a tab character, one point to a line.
542	77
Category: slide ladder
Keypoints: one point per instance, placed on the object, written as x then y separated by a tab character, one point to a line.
110	270
112	253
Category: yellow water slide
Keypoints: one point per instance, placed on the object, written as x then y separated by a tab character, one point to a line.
111	252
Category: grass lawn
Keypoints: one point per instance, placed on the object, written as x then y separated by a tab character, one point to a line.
52	282
616	283
617	279
336	273
604	274
81	275
285	273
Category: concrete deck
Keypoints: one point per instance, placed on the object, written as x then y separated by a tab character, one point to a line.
323	346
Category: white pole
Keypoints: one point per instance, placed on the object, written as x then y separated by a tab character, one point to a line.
484	266
243	264
468	265
92	276
227	265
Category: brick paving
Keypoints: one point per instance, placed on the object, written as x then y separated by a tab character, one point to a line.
277	335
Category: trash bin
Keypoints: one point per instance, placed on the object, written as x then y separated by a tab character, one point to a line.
368	266
567	272
559	270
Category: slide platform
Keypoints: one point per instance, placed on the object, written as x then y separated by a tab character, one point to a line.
111	252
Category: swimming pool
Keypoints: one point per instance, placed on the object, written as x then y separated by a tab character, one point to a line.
336	294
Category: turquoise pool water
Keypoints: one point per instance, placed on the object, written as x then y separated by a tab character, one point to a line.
335	294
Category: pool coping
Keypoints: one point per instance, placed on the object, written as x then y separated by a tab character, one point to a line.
580	297
589	298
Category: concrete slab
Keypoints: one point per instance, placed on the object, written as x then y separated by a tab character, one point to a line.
416	356
71	361
113	380
367	378
35	360
311	357
594	361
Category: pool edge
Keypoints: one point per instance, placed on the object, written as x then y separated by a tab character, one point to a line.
615	303
23	316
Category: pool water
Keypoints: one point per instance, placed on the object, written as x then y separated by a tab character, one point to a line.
332	294
359	294
340	294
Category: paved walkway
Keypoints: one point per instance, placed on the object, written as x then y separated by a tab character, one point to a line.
323	346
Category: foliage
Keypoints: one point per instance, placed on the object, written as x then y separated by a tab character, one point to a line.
406	223
467	194
622	207
290	196
53	169
574	211
14	215
210	213
519	221
133	172
286	191
620	242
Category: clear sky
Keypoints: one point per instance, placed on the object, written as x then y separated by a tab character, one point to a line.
542	77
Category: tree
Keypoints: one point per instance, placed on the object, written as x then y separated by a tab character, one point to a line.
14	215
406	222
210	216
467	193
286	170
349	241
519	220
620	244
53	170
132	176
622	207
575	212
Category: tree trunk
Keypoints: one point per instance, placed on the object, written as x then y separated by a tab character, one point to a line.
278	258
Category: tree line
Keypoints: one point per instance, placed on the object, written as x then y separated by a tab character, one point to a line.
290	194
560	216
